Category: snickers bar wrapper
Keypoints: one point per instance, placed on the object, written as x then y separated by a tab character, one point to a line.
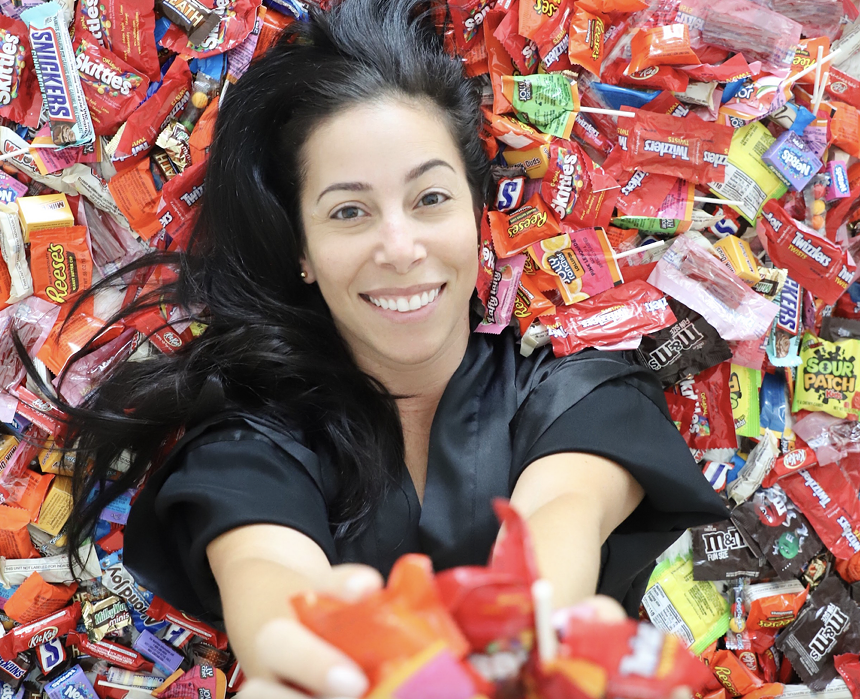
56	69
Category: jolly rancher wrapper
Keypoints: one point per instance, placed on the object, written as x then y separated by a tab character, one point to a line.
54	59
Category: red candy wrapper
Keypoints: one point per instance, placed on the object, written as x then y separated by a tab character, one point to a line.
237	21
579	193
112	88
637	660
23	638
493	604
124	27
586	39
142	128
161	611
689	148
553	41
114	653
616	316
790	463
848	666
200	681
467	19
829	501
20	97
712	425
813	261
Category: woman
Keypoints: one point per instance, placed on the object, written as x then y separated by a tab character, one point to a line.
339	411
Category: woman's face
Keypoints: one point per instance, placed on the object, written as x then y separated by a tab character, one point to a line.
390	230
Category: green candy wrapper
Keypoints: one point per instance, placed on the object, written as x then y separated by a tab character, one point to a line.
744	384
549	102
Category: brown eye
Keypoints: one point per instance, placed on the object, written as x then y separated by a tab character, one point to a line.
347	212
433	199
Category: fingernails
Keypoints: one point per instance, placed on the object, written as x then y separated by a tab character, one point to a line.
343	680
357	586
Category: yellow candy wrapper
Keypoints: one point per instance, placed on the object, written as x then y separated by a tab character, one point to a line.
827	377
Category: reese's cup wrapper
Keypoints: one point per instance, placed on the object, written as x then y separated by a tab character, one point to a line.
827	626
774	605
827	376
586	39
775	525
685	348
514	232
665	45
61	262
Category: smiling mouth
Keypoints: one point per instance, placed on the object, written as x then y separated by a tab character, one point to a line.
405	304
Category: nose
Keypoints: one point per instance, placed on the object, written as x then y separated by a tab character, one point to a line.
399	247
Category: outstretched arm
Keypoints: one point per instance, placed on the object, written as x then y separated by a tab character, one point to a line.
572	502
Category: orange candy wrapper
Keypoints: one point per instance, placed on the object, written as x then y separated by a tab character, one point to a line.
36	598
412	638
514	232
586	47
775	611
61	263
668	45
14	538
581	262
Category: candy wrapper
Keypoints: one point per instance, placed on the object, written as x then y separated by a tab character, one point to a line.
581	263
665	45
690	609
691	149
20	96
827	377
720	553
547	102
783	534
827	626
611	318
698	279
685	348
54	60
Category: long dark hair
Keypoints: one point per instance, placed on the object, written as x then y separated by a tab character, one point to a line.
270	346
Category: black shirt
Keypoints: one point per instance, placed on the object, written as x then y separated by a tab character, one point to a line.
498	413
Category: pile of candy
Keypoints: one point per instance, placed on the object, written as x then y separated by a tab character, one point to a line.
678	178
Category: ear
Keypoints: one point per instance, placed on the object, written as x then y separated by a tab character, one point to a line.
307	273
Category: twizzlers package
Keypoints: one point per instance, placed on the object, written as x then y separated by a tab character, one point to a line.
813	261
689	148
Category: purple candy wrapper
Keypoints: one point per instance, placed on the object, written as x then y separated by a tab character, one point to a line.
72	684
151	648
792	160
837	181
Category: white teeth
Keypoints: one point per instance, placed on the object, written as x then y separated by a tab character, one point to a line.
403	304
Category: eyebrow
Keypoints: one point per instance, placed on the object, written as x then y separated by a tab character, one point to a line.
413	174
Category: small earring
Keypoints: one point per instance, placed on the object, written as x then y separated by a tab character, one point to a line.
303	274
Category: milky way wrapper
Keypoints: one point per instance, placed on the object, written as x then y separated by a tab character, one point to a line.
56	69
828	625
827	377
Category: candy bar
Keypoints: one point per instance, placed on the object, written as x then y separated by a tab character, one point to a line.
54	59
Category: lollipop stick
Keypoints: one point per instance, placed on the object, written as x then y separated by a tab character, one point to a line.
21	151
714	200
644	248
609	112
547	641
806	71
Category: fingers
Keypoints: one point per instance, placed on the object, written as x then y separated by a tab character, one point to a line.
598	608
298	656
353	581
